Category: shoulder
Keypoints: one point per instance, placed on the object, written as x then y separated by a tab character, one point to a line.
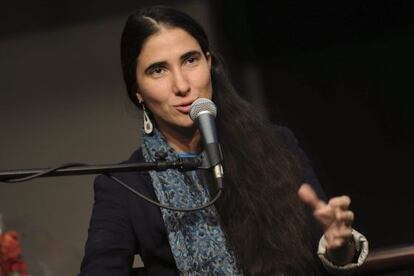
288	139
136	156
107	184
309	176
286	135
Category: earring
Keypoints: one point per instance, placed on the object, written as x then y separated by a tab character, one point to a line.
148	127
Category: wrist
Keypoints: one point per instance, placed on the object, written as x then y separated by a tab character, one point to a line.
342	255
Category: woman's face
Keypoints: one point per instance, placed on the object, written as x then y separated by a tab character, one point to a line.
172	72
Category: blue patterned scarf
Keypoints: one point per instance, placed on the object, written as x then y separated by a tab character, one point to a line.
196	239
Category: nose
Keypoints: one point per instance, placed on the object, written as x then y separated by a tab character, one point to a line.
181	84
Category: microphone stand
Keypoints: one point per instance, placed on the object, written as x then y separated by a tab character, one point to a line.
183	164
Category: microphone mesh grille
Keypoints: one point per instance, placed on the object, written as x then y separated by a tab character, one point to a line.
202	104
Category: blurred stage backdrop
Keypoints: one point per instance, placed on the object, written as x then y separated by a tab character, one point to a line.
338	73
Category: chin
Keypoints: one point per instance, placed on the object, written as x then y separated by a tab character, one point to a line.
185	123
181	124
188	125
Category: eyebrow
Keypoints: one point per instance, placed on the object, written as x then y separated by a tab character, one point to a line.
155	65
164	63
190	54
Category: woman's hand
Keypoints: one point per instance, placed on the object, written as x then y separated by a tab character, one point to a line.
336	220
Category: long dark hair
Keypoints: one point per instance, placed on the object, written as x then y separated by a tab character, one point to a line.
260	212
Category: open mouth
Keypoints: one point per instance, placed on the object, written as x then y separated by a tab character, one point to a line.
184	108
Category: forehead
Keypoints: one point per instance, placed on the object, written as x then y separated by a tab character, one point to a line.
167	44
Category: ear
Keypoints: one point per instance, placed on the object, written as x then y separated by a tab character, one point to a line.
139	97
208	57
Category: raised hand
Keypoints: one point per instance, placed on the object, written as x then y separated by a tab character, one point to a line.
336	220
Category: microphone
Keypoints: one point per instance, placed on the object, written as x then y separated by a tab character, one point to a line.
203	112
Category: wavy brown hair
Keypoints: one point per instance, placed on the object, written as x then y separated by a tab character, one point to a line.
261	215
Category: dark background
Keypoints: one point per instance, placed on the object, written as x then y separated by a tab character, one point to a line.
338	73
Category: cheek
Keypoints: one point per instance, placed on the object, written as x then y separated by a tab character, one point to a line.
203	82
154	93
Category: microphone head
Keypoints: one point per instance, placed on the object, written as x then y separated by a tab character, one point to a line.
202	105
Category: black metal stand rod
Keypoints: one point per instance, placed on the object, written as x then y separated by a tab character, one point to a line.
184	164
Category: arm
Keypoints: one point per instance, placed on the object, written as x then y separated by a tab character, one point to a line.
111	243
309	175
340	243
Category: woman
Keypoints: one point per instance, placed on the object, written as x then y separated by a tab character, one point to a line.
259	226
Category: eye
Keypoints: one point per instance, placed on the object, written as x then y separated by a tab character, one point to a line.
191	61
157	72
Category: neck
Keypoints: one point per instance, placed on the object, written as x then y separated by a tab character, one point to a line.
183	139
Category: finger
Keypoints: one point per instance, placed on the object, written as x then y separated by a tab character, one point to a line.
341	233
341	202
329	217
346	217
325	215
308	195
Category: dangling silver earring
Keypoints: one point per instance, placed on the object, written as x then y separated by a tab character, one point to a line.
148	127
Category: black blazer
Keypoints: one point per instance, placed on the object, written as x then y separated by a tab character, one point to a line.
123	225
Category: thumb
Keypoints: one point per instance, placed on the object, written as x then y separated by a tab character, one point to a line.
308	195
